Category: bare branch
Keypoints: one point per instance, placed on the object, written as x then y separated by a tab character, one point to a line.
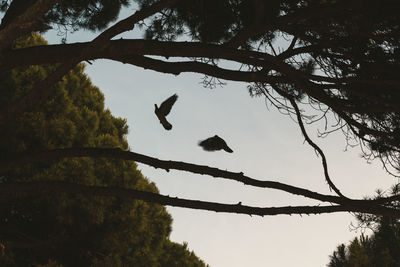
57	154
177	68
308	139
128	23
18	190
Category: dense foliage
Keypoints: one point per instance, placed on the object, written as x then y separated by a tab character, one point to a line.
380	249
77	230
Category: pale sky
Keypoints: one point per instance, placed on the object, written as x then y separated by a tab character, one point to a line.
267	146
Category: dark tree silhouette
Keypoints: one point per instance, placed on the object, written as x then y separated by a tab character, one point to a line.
379	249
340	57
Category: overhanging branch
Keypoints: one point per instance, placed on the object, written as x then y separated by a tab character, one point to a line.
27	22
308	139
128	23
18	190
57	154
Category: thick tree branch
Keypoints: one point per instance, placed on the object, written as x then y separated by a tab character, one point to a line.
177	68
27	22
50	54
121	50
18	190
16	8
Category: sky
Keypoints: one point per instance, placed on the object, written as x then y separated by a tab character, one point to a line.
267	146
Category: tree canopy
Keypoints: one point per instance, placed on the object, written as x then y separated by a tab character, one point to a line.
77	229
337	56
379	249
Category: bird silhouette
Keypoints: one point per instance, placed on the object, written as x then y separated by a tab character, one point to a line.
164	110
215	143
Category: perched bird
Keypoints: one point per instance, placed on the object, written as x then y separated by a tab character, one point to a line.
215	143
164	110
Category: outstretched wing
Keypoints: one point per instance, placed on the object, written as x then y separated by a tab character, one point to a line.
166	106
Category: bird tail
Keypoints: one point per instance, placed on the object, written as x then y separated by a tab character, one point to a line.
228	149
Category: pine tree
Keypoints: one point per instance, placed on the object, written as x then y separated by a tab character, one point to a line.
77	230
380	249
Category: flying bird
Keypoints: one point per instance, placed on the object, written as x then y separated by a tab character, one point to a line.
164	110
215	143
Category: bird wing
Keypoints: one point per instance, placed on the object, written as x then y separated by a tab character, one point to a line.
166	106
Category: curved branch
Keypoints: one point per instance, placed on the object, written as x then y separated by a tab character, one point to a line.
17	190
128	23
309	141
163	164
122	49
177	68
27	22
50	54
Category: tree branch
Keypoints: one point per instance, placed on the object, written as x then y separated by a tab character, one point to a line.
18	190
316	12
50	54
16	8
57	154
177	68
308	139
27	22
129	23
120	49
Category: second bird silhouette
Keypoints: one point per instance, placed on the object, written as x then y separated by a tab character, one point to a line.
164	110
215	143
